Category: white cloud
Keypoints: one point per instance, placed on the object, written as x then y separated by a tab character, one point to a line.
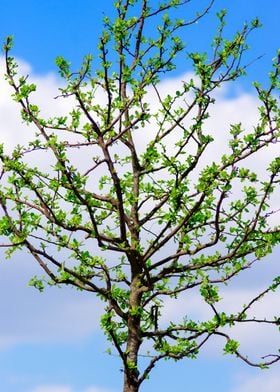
13	131
64	314
264	382
255	339
30	317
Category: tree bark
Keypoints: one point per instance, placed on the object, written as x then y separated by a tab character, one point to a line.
128	386
131	372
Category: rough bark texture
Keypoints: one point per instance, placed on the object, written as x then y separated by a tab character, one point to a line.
131	373
128	386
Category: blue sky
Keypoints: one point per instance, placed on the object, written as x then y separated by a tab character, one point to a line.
52	340
44	30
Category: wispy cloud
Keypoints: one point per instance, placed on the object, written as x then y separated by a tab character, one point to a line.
255	339
265	381
29	316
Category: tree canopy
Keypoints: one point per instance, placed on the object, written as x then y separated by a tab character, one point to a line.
120	198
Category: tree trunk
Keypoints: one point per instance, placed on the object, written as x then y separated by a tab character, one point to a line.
131	372
129	385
